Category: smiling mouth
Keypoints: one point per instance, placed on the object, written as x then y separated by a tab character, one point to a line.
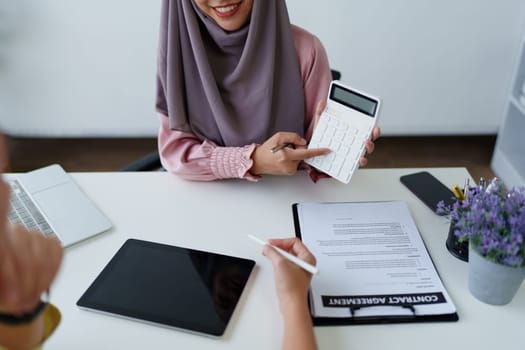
226	11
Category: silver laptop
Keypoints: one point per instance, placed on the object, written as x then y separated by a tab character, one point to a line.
49	200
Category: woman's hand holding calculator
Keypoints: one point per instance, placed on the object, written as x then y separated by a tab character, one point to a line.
347	126
370	145
282	153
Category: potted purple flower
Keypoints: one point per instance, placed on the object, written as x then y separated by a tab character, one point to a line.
492	220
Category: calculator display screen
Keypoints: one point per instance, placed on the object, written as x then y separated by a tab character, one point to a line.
353	100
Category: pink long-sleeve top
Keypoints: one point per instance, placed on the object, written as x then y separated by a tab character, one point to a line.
183	154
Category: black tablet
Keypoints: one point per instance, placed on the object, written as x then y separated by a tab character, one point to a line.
171	286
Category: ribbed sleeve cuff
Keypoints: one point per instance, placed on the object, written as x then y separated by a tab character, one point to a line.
233	162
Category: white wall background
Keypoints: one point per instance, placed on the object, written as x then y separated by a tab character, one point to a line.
87	68
80	68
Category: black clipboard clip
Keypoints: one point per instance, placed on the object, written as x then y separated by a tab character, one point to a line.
410	307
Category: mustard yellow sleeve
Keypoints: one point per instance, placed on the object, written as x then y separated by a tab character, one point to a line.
52	319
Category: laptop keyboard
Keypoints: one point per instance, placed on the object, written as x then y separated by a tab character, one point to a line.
24	212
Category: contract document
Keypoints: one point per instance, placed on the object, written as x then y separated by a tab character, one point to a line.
374	264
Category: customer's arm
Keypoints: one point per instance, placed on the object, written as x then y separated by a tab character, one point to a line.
292	283
28	264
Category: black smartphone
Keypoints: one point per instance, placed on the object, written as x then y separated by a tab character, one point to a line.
427	188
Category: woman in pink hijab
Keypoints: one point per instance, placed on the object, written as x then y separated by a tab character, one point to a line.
236	79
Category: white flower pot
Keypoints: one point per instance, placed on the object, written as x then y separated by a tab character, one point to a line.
493	283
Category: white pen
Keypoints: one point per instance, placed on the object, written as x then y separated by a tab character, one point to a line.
310	268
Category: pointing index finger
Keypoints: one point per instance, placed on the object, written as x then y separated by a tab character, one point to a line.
305	153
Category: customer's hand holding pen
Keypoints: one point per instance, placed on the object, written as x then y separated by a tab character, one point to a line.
292	283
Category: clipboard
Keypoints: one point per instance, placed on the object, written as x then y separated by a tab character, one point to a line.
353	318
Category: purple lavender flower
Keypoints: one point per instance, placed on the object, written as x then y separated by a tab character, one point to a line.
494	222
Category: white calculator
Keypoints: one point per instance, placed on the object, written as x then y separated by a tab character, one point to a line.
345	124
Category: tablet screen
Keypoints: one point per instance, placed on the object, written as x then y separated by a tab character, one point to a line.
172	286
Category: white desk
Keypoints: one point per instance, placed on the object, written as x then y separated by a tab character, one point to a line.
217	216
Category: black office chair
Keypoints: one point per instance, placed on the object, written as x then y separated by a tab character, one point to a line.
336	75
151	161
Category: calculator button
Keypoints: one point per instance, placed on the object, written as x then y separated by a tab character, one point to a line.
340	135
343	150
344	140
353	156
323	123
344	173
337	164
327	160
330	131
334	145
346	165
